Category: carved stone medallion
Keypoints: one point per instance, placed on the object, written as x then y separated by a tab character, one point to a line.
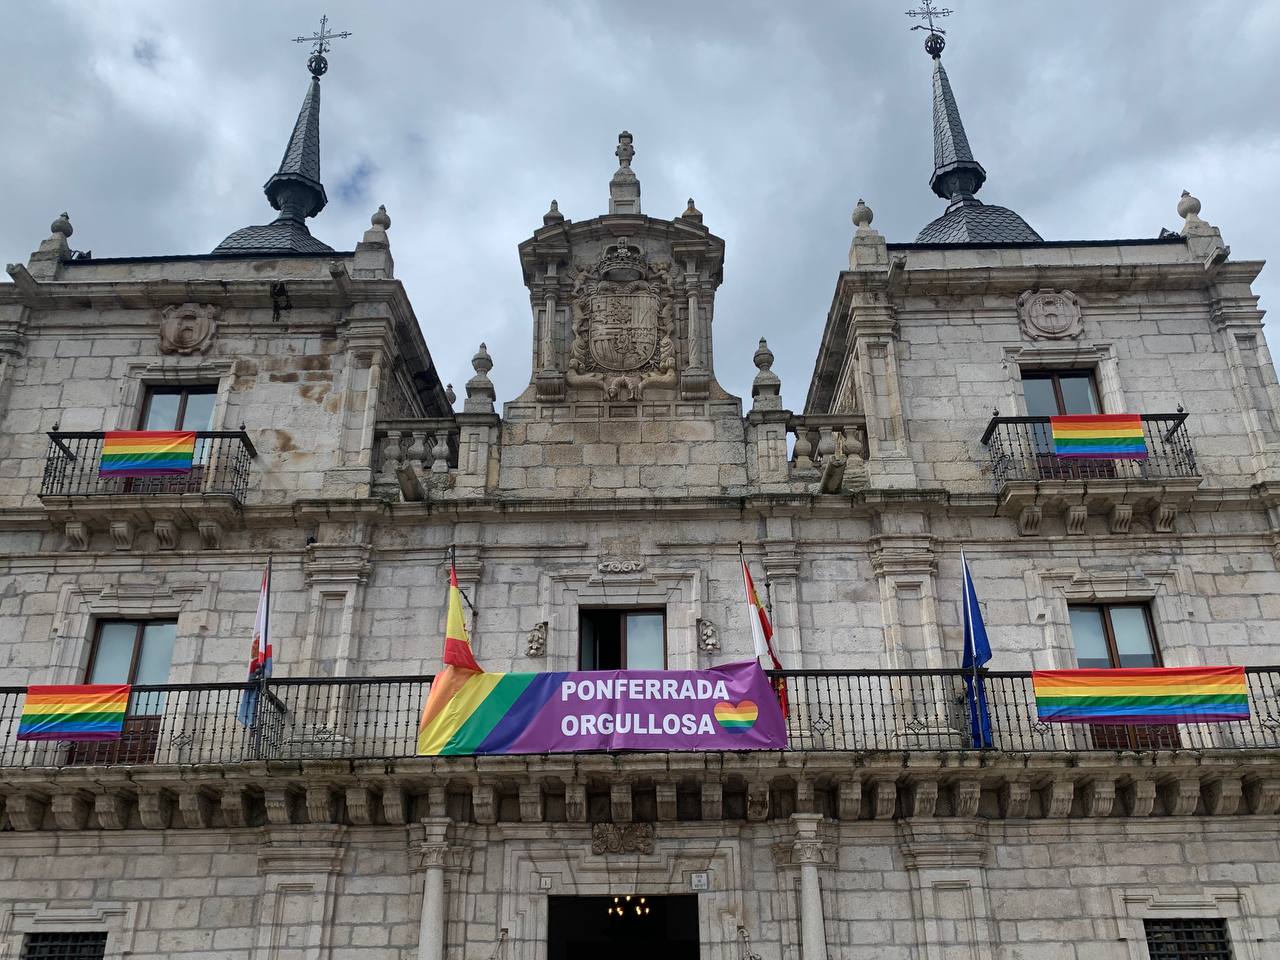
1050	315
621	838
187	328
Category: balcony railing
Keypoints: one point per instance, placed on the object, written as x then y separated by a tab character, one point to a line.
1022	449
220	466
377	719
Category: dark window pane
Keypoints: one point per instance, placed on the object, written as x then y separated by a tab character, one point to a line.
645	642
1078	395
1041	401
162	411
1089	637
199	412
1133	637
114	654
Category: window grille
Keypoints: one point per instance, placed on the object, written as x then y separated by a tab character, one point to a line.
64	946
1200	939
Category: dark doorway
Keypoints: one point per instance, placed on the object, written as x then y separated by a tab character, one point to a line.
628	927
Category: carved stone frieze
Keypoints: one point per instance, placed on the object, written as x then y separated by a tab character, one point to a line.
187	328
1015	797
609	838
623	310
665	796
885	799
26	811
1181	796
708	636
77	534
615	564
965	797
1222	797
112	810
1057	798
1099	797
196	807
1139	798
1050	315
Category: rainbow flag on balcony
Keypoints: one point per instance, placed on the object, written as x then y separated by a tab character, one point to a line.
147	453
1103	436
88	711
1142	695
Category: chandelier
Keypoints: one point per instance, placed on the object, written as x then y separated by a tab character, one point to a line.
629	905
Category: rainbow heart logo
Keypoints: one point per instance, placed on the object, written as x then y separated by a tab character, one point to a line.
736	718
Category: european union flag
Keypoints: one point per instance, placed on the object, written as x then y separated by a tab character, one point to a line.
977	651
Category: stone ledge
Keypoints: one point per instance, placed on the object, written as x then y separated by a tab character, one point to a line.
594	788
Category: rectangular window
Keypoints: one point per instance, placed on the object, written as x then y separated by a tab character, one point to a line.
1052	393
187	407
1108	636
1200	939
64	946
622	640
137	652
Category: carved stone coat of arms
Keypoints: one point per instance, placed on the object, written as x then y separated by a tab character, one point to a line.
623	318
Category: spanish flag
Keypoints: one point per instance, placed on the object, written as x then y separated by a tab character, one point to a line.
762	632
459	667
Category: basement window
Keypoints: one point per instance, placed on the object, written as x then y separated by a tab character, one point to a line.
1199	939
64	946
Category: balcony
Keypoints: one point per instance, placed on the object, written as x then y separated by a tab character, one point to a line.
376	719
1031	481
207	498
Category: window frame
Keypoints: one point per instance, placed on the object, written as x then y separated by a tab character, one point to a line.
622	613
83	935
140	626
1108	629
182	391
1054	375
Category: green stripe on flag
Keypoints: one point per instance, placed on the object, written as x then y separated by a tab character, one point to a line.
485	717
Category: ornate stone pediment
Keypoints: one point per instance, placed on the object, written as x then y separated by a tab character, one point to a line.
187	328
621	838
623	320
1050	315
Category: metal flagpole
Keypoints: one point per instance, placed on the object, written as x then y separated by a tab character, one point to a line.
453	566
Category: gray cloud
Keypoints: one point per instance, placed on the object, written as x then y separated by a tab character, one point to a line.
155	125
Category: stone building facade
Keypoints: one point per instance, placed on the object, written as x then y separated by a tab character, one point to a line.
620	483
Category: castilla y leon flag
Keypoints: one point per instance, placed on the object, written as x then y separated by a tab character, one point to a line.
459	667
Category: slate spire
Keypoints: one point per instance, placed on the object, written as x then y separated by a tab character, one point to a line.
295	189
956	174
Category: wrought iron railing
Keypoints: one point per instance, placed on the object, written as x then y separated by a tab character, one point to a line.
220	466
377	718
1021	448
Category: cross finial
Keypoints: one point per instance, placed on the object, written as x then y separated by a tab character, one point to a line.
934	42
317	63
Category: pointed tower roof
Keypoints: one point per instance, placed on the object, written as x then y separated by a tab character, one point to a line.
295	188
957	175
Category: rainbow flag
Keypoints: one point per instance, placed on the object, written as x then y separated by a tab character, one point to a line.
1109	436
89	711
147	453
1146	695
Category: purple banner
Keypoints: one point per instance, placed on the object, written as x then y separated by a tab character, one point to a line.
732	707
725	708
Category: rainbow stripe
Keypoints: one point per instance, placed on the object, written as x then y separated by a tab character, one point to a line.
1155	695
78	712
737	717
1110	436
147	453
487	713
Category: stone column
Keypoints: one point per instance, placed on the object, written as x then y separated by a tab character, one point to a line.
433	852
806	851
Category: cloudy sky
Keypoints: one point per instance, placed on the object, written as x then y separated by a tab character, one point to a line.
155	125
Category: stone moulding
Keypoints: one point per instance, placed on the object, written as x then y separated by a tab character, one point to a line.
760	787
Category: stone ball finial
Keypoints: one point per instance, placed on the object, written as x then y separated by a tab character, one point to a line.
61	226
482	362
553	215
862	215
449	394
1188	206
380	219
763	357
